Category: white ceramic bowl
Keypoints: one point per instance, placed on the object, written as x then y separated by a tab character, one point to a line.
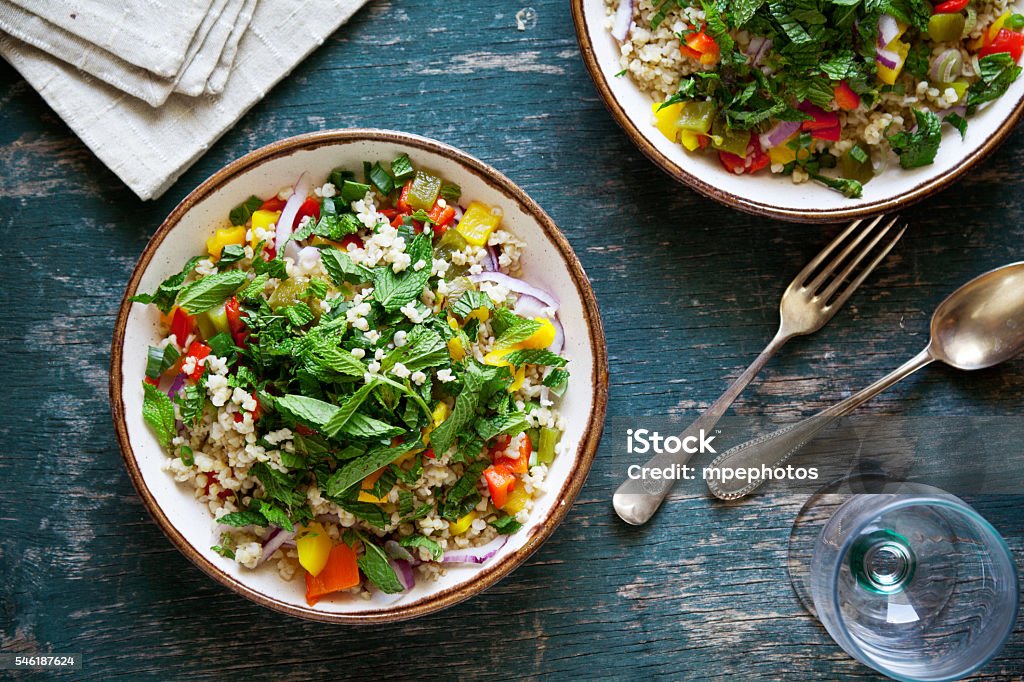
772	195
548	262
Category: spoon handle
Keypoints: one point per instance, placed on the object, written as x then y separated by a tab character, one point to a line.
636	500
775	448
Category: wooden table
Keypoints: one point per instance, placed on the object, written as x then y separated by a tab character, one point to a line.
688	291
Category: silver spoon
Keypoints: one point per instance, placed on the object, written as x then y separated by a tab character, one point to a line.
980	325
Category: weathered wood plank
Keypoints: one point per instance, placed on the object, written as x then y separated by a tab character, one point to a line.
688	290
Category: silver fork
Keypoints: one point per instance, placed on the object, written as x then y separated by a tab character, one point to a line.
811	300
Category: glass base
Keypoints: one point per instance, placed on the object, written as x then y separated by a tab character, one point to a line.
813	516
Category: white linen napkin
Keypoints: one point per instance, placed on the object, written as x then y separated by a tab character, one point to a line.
215	83
201	57
151	34
148	148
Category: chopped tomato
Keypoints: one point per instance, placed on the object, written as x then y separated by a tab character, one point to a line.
182	324
151	381
211	479
352	239
705	46
756	158
846	98
521	463
388	213
339	573
197	350
429	453
309	207
239	330
1005	41
500	482
403	198
273	204
831	134
689	52
820	120
950	6
304	430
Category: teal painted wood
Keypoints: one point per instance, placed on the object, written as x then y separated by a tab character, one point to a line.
688	290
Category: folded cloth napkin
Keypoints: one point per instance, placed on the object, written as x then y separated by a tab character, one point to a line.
147	147
215	83
152	34
199	61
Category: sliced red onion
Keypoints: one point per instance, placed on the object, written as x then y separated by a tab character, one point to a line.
622	20
782	131
516	285
946	66
889	59
275	542
405	574
888	30
559	342
531	306
959	110
176	385
477	555
291	209
757	49
396	551
491	263
459	212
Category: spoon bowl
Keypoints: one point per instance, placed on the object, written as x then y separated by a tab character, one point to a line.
981	324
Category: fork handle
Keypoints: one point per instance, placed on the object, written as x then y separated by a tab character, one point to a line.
636	500
775	448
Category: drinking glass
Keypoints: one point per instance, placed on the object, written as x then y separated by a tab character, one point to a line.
908	579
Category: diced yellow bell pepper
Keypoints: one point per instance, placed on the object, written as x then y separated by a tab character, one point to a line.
478	222
996	27
482	314
887	75
665	119
462	525
455	349
784	154
516	500
689	139
224	237
262	220
496	358
314	547
542	338
440	413
367	485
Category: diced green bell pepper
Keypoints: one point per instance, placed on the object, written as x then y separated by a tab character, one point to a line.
213	322
732	141
697	117
946	28
854	169
287	293
546	447
424	191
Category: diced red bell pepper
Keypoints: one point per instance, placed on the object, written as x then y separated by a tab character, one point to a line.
689	52
821	119
429	453
388	213
950	6
704	45
398	220
197	350
1005	41
756	158
239	330
521	463
273	204
403	198
443	216
304	430
830	134
182	325
309	207
151	381
500	482
339	573
351	239
846	98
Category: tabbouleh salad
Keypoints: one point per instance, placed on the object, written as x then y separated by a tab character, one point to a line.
356	382
833	91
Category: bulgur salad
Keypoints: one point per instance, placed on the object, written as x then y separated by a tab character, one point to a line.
356	381
833	91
